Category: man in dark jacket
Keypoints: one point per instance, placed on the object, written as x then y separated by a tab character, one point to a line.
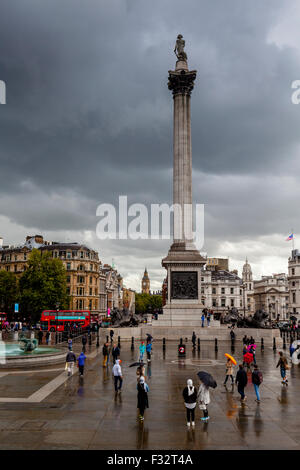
84	341
40	336
70	360
105	352
115	353
241	380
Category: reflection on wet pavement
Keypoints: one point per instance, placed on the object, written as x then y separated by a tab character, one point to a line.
85	413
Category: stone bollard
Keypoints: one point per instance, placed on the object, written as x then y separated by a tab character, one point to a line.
262	344
132	343
164	344
198	348
274	344
216	344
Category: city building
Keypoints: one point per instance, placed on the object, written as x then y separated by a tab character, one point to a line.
221	290
217	264
294	282
129	300
145	283
271	293
114	287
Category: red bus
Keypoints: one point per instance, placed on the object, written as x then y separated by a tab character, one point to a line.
53	320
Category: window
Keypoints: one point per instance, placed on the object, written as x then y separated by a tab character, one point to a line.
68	266
15	268
91	291
294	297
293	283
91	280
81	267
214	290
223	302
25	256
214	302
16	257
68	279
223	290
81	254
231	290
91	267
232	302
69	254
293	271
80	279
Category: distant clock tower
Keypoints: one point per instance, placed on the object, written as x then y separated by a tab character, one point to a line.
145	283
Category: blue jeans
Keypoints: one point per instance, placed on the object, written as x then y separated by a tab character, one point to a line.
256	388
202	323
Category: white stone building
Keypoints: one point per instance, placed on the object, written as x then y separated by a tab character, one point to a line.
271	294
294	282
221	290
248	290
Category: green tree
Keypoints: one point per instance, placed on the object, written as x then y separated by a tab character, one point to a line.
147	303
42	285
9	293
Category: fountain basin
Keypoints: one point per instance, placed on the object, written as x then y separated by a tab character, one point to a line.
11	356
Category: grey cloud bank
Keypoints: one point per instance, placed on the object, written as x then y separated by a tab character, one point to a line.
89	117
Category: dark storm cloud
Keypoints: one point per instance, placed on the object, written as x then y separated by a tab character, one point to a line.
89	115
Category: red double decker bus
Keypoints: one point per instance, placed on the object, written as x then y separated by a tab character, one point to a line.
53	320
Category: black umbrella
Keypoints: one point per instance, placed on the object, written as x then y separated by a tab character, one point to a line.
137	364
207	379
150	336
293	318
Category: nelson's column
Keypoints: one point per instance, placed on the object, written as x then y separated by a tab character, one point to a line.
183	262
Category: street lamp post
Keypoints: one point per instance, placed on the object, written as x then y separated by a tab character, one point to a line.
56	320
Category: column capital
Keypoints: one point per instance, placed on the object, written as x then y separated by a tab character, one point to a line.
181	82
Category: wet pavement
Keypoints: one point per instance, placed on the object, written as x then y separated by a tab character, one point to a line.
86	414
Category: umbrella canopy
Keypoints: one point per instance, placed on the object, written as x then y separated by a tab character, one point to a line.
231	358
296	344
251	346
207	379
292	317
137	364
248	357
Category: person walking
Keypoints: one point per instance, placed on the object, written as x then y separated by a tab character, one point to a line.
283	363
140	372
229	372
241	380
70	343
84	341
204	400
142	350
81	359
117	374
208	318
40	336
142	397
202	320
70	361
148	351
105	352
194	338
115	352
47	337
111	334
257	379
190	400
232	335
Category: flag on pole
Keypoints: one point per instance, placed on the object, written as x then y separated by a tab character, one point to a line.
290	237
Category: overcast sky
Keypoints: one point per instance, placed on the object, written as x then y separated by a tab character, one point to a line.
89	117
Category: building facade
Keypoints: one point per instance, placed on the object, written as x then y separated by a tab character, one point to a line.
294	282
221	290
271	294
248	290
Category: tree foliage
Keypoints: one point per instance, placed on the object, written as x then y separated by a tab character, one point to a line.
147	303
9	291
42	285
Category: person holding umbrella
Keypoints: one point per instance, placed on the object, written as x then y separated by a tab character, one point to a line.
190	400
203	394
229	369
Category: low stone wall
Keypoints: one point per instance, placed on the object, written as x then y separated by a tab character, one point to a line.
205	334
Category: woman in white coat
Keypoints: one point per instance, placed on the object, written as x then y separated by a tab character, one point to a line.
204	400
